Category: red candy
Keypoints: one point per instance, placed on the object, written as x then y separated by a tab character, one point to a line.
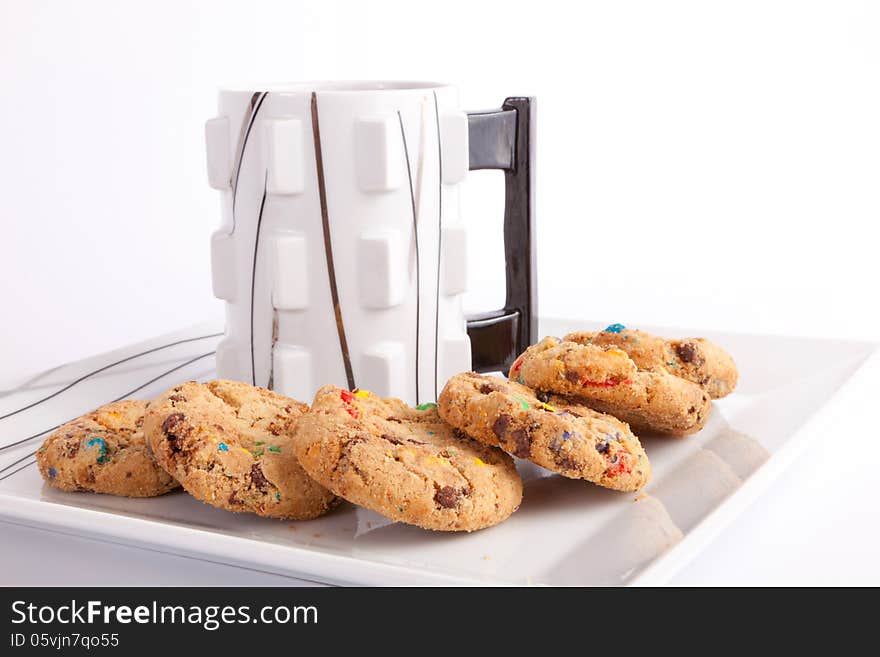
610	383
517	365
622	466
347	399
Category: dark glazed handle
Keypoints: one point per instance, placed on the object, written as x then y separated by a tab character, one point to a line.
505	139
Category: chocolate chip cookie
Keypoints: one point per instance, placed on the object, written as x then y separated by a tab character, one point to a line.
229	444
104	452
606	379
558	434
692	359
405	463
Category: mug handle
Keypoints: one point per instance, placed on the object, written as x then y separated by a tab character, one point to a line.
505	139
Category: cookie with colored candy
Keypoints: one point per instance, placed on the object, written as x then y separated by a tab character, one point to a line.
606	379
405	463
693	359
229	444
104	452
554	432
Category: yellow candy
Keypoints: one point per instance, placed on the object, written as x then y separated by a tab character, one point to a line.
363	394
616	352
548	407
479	461
242	449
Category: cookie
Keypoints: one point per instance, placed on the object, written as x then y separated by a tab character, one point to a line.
558	434
606	379
229	445
104	452
693	359
405	463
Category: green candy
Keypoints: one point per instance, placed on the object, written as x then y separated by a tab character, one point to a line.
426	406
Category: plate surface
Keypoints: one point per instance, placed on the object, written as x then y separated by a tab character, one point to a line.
566	532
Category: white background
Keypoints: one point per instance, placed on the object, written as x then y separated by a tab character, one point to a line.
710	165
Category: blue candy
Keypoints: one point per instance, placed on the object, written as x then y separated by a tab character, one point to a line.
102	456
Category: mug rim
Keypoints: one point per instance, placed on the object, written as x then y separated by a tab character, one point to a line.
335	86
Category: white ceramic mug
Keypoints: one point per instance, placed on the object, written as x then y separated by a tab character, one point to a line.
341	256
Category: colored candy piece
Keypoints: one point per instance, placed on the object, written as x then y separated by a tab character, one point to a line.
615	328
223	447
610	383
347	399
426	406
102	456
621	463
616	352
548	407
259	443
523	403
273	448
52	473
363	394
479	461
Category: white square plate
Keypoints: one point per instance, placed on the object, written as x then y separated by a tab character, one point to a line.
566	532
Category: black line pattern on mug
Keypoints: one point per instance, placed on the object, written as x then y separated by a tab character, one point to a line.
328	246
256	102
103	369
416	241
439	244
254	274
130	392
